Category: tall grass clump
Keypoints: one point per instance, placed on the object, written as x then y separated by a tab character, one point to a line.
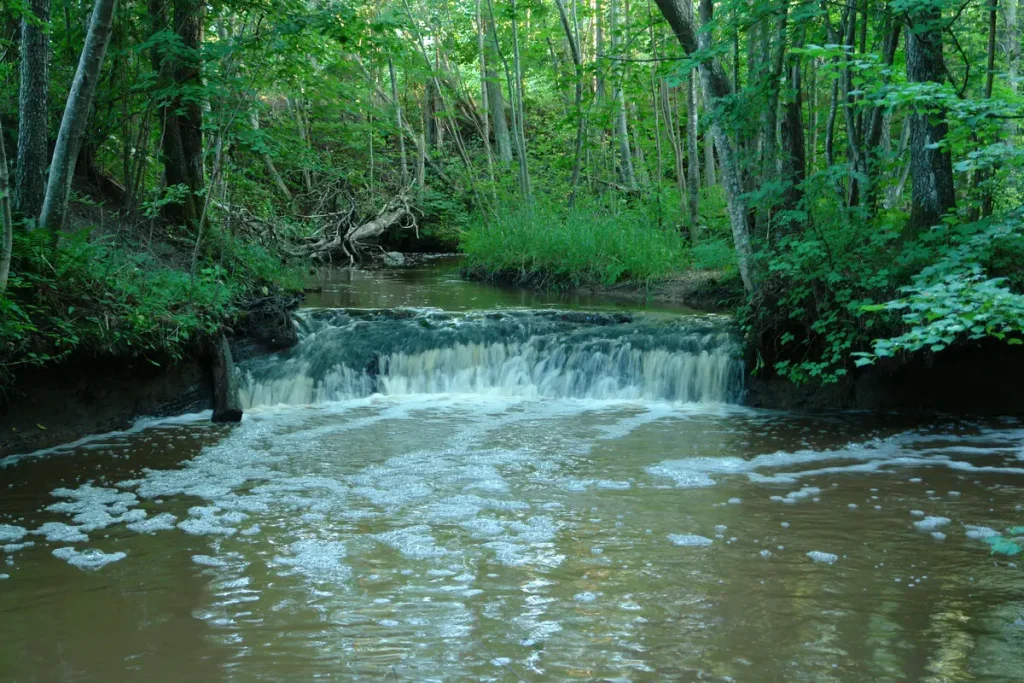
543	245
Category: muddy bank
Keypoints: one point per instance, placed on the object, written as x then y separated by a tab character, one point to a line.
971	380
50	406
92	395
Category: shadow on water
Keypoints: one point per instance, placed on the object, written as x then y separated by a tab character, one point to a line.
437	284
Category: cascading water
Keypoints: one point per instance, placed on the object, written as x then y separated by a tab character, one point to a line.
346	354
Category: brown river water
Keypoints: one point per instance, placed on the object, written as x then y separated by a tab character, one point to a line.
513	488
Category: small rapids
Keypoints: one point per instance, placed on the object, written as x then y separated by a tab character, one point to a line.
345	354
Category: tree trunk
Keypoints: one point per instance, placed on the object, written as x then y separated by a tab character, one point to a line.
931	167
181	147
188	18
497	108
403	161
572	35
268	161
33	93
76	115
520	127
793	155
485	120
716	84
1012	43
298	109
5	217
627	174
693	161
980	175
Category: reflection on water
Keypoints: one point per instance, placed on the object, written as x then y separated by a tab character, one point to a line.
450	537
437	284
561	518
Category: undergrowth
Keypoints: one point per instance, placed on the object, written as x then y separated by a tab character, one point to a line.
89	297
595	243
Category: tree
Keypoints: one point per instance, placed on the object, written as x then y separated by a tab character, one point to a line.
931	165
178	63
76	115
716	88
5	217
33	93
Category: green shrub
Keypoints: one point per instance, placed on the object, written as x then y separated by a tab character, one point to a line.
591	244
89	297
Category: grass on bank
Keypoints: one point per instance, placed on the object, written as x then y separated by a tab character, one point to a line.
89	295
548	246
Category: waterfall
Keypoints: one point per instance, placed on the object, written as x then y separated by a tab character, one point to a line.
345	354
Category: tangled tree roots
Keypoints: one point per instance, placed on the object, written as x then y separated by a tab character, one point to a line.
346	233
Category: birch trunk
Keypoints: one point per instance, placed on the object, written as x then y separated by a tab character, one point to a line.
76	115
693	161
716	86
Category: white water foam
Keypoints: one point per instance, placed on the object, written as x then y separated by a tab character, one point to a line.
87	560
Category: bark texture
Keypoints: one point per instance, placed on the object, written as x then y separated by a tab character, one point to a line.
33	99
76	114
716	86
5	217
931	167
181	115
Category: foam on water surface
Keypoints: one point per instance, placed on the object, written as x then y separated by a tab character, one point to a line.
417	522
87	560
690	540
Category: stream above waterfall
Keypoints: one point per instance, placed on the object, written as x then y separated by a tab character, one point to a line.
450	481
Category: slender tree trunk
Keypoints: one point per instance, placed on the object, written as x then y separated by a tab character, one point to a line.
524	169
484	117
5	217
1010	8
297	108
76	115
404	170
627	174
497	108
421	159
268	161
793	157
599	89
980	175
854	144
33	94
814	113
181	122
830	125
716	87
673	125
877	121
693	161
188	18
572	36
931	167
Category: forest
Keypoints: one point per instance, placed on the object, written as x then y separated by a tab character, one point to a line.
846	172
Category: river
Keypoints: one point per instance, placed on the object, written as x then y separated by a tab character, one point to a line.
449	481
